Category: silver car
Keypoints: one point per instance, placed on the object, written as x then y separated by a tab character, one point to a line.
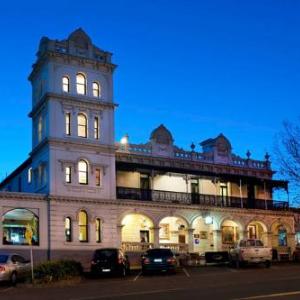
13	267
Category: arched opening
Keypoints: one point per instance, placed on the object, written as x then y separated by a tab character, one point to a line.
83	172
231	233
96	89
257	230
80	84
19	224
66	84
202	235
137	232
83	226
68	229
173	234
82	125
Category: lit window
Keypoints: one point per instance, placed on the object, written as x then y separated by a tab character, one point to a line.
68	229
68	123
82	125
65	84
81	84
68	174
96	89
98	231
82	172
96	128
98	177
29	175
40	128
83	226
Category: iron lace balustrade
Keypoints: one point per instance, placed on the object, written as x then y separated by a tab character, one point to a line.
198	199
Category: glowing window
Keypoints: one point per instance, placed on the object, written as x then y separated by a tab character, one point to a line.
98	177
81	84
96	128
82	125
68	229
68	123
68	174
96	89
83	226
98	231
65	84
40	128
29	175
82	172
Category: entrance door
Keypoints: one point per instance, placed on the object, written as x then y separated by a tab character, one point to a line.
251	196
195	191
224	194
145	187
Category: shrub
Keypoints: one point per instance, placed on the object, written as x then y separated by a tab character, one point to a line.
57	270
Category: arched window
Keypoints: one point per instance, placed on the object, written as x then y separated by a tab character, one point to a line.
17	225
96	90
83	226
82	125
68	229
65	84
80	84
40	129
82	172
98	230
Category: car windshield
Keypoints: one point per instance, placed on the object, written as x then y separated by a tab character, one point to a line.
105	254
159	252
3	258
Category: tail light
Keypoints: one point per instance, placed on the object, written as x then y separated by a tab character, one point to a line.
171	261
146	261
2	269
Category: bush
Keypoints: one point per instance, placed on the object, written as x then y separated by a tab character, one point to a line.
57	270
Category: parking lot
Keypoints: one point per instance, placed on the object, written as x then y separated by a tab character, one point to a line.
214	282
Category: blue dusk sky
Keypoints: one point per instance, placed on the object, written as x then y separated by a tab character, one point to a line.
199	67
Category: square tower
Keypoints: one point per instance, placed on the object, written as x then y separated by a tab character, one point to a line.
73	152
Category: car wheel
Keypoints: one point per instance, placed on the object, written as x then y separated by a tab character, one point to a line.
268	264
13	278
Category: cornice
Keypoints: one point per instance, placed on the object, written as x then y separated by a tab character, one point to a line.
82	102
23	196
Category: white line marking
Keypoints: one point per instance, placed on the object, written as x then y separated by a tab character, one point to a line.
271	295
186	272
137	276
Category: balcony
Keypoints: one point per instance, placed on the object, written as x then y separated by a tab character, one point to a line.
199	199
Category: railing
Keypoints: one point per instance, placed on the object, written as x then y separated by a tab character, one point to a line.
175	247
199	199
136	247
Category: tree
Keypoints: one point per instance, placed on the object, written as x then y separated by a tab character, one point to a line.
287	153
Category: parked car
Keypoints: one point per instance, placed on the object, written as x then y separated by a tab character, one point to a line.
162	260
250	251
13	267
110	261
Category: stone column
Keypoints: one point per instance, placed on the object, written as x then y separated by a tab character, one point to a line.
119	236
191	239
156	236
291	242
267	238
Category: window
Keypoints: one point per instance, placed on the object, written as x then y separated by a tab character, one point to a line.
98	177
82	172
65	84
16	223
81	84
68	174
96	89
42	174
96	128
40	129
82	125
29	175
83	226
98	231
68	123
282	236
68	229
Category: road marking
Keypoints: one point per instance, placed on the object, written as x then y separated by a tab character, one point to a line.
271	295
186	272
129	294
137	276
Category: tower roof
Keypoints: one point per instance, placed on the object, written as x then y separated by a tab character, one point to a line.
161	135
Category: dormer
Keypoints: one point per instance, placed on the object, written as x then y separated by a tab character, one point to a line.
162	141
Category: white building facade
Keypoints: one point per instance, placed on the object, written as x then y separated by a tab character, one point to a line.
79	190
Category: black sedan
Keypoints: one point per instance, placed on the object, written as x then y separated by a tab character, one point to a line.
158	260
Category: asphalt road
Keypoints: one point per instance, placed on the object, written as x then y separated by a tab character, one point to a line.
278	282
